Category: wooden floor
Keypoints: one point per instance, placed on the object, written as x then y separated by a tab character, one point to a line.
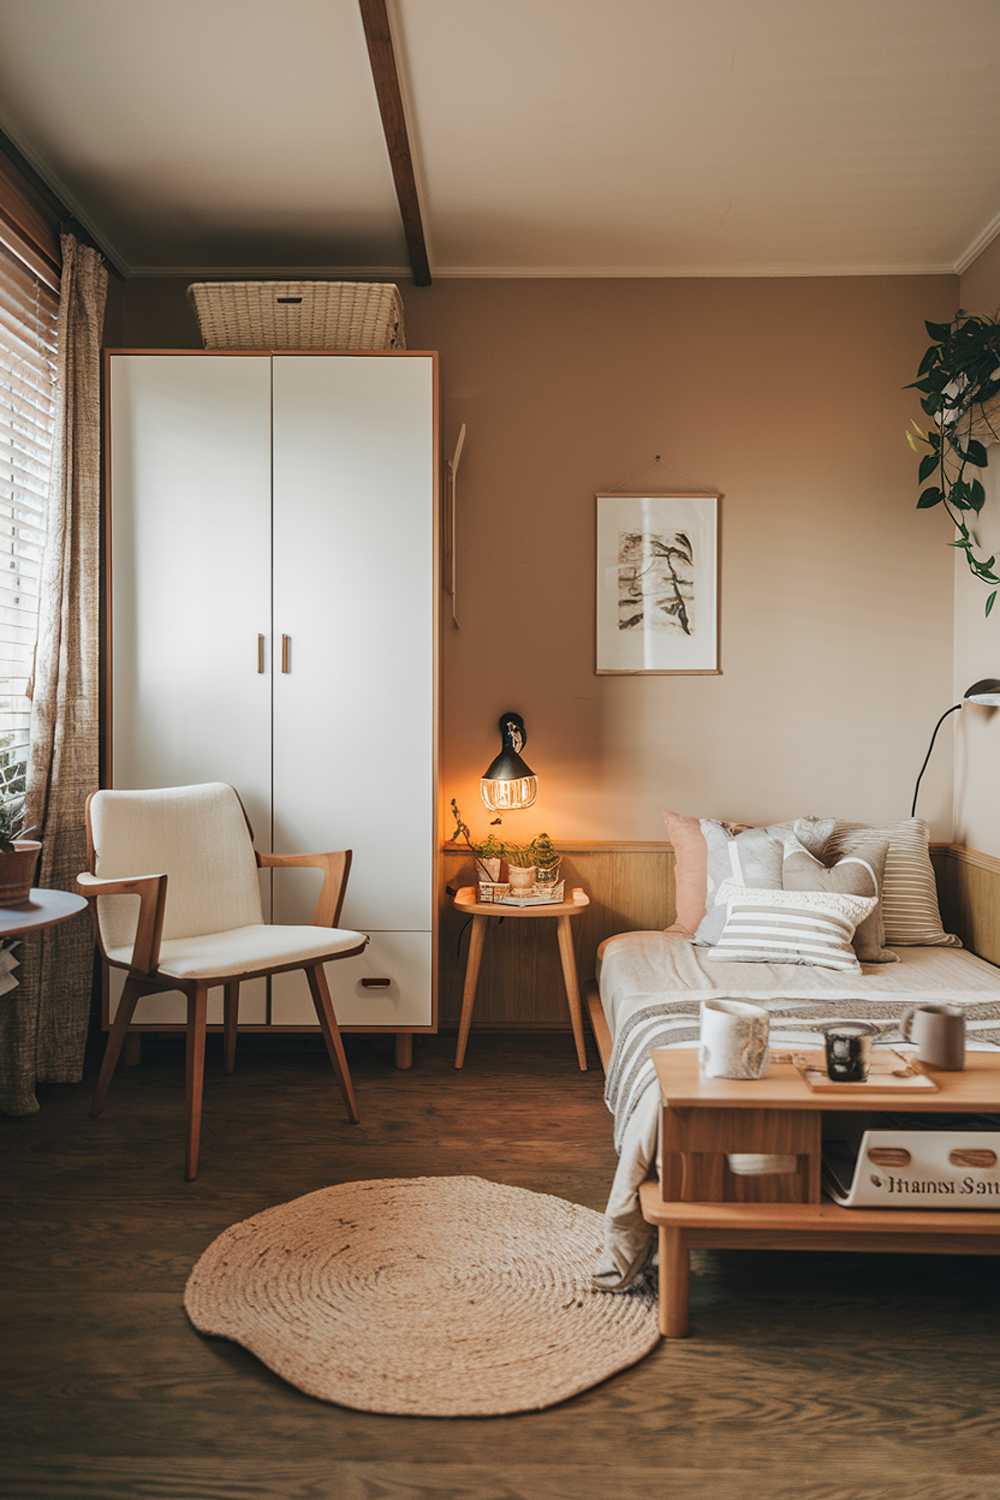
818	1378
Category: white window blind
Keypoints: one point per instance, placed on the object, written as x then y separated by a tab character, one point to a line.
28	315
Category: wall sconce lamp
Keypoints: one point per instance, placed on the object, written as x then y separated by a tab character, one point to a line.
507	783
986	693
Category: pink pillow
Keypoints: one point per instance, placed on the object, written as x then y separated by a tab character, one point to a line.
690	871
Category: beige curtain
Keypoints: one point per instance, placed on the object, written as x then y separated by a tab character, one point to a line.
44	1022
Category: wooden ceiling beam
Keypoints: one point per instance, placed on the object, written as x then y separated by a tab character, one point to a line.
390	103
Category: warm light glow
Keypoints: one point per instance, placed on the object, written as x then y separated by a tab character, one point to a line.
508	796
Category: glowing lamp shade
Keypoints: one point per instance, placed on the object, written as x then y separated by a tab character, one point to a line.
507	783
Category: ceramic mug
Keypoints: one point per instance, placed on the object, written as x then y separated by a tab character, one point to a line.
848	1051
939	1034
733	1039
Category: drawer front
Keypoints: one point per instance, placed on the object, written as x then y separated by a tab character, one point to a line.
170	1007
361	995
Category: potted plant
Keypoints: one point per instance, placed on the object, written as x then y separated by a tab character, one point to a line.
521	866
18	854
488	853
547	861
959	384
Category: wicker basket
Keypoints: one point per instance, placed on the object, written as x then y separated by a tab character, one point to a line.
299	314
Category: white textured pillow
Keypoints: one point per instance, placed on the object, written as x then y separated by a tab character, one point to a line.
910	908
790	927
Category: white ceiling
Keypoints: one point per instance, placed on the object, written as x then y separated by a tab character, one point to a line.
552	137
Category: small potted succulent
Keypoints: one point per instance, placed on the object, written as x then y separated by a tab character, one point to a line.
547	860
521	866
488	854
18	854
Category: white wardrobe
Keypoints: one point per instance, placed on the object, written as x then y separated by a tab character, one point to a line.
272	622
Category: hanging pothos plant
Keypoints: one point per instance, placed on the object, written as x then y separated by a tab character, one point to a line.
959	382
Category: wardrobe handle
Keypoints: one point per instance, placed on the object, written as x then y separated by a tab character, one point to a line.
376	984
286	653
260	653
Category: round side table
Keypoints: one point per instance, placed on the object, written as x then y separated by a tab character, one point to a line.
42	909
563	912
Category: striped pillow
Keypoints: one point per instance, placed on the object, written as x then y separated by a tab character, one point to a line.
790	927
909	892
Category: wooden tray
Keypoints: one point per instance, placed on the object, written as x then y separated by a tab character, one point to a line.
889	1073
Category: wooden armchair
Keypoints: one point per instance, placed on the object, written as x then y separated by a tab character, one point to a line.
210	929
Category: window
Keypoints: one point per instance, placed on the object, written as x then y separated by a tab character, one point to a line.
28	312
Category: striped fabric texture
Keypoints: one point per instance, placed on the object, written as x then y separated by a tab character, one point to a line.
910	908
790	927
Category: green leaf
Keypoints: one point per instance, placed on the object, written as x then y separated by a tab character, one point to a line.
977	495
990	603
928	464
931	404
976	454
939	332
930	358
932	496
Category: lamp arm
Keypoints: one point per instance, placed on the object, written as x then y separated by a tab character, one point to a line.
916	790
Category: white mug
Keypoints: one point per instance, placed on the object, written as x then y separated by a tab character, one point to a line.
733	1039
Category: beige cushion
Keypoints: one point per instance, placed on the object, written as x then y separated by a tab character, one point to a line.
909	892
242	950
790	927
198	837
857	874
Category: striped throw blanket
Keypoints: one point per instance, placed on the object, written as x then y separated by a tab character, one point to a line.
794	1023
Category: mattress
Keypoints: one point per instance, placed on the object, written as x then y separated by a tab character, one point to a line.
638	967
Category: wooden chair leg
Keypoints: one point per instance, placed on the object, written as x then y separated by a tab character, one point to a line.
477	938
320	991
195	1075
231	1020
116	1039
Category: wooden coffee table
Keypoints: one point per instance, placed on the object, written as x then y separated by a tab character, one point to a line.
704	1119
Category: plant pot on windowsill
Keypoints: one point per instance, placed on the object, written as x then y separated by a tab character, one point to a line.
17	871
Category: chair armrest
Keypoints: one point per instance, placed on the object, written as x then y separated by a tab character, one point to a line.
336	868
152	893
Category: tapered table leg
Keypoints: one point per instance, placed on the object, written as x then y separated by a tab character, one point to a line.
564	932
477	937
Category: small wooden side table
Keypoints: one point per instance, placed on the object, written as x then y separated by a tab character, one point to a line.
43	908
563	912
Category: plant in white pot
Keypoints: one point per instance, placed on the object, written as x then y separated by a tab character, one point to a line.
18	854
521	866
488	853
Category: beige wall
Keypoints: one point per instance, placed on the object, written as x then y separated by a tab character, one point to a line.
977	640
786	396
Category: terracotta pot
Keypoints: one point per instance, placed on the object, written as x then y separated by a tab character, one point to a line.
521	877
17	871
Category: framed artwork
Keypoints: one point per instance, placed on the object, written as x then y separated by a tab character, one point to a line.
658	583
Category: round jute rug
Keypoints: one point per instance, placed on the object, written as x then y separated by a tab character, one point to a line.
422	1296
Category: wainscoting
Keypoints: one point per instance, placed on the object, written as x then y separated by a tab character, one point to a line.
631	888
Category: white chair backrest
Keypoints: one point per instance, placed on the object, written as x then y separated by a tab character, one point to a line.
198	837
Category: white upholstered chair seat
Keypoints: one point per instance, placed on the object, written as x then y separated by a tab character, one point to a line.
242	950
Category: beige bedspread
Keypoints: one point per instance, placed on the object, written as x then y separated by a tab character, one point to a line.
651	986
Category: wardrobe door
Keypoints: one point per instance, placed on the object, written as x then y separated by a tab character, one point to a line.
190	516
354	704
